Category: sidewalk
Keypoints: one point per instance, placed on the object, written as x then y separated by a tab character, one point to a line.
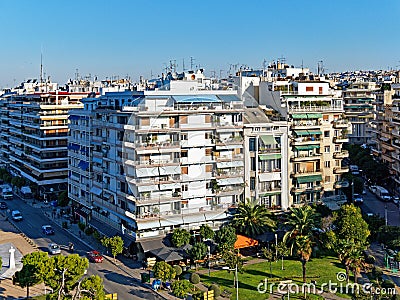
128	266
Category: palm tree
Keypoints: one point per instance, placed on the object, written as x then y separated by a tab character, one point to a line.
356	262
301	221
303	244
252	219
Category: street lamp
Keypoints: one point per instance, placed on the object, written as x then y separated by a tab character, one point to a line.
209	248
237	281
352	190
276	246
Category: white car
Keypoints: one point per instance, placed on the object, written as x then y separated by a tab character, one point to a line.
16	215
54	249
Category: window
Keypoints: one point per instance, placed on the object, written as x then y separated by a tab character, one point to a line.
327	149
184	187
208	168
320	90
309	88
337	148
252	183
208	151
325	118
184	153
327	178
184	170
183	119
145	121
326	134
252	144
253	163
327	164
184	137
208	119
337	163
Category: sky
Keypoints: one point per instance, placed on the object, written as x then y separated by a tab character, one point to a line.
123	38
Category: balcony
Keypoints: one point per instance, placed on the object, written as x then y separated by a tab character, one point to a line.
305	125
341	124
304	157
238	140
305	173
340	170
305	141
340	139
229	158
263	150
341	154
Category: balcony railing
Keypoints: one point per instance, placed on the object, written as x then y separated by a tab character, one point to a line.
341	154
340	139
340	170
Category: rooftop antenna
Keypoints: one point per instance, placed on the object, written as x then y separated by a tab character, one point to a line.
264	65
41	65
76	74
191	63
183	64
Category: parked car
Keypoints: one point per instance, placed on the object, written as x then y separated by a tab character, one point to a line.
54	249
3	205
396	199
16	215
47	230
357	198
95	256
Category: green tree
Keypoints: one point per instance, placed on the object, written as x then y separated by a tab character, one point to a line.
181	288
163	271
233	261
198	252
180	237
91	288
301	221
116	245
270	257
226	237
63	199
64	273
252	219
357	263
35	266
206	232
282	251
303	246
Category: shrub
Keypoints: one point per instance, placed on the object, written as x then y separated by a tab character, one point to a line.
396	297
387	284
81	226
195	278
377	272
178	270
200	296
96	235
181	288
89	230
216	289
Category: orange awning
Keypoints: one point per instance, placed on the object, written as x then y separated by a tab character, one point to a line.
244	242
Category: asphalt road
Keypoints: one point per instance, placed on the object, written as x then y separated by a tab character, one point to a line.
373	205
115	280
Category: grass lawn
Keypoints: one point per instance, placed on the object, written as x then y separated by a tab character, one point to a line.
318	269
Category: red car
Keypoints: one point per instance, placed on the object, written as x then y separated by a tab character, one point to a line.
95	256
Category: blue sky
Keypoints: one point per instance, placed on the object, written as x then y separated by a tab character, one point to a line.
119	38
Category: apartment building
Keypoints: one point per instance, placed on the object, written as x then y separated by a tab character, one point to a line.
34	131
266	160
146	162
317	130
358	103
395	134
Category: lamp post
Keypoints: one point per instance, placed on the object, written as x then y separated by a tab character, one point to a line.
352	190
237	281
386	215
276	246
209	248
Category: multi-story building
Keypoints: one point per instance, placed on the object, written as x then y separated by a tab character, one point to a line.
395	134
317	131
266	160
34	137
358	100
181	155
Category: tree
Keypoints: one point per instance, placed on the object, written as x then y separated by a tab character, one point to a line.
357	263
63	199
91	288
163	271
282	251
181	288
35	266
226	237
252	219
180	237
303	246
233	261
301	222
270	257
178	270
206	232
198	252
64	273
115	244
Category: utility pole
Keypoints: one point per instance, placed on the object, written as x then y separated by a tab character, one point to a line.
386	215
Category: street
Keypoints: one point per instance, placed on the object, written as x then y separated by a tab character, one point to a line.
115	279
373	205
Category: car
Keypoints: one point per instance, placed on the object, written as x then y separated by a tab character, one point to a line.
16	215
47	230
357	198
95	256
54	249
3	205
396	199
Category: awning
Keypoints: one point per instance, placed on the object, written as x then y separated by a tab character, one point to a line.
171	221
314	131
83	212
271	193
244	242
268	139
151	244
170	186
269	176
299	116
314	116
166	254
306	147
146	172
311	178
301	132
270	156
170	170
190	219
83	165
97	160
212	215
95	190
230	164
147	188
148	224
229	181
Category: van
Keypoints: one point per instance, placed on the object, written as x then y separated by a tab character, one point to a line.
354	170
382	194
